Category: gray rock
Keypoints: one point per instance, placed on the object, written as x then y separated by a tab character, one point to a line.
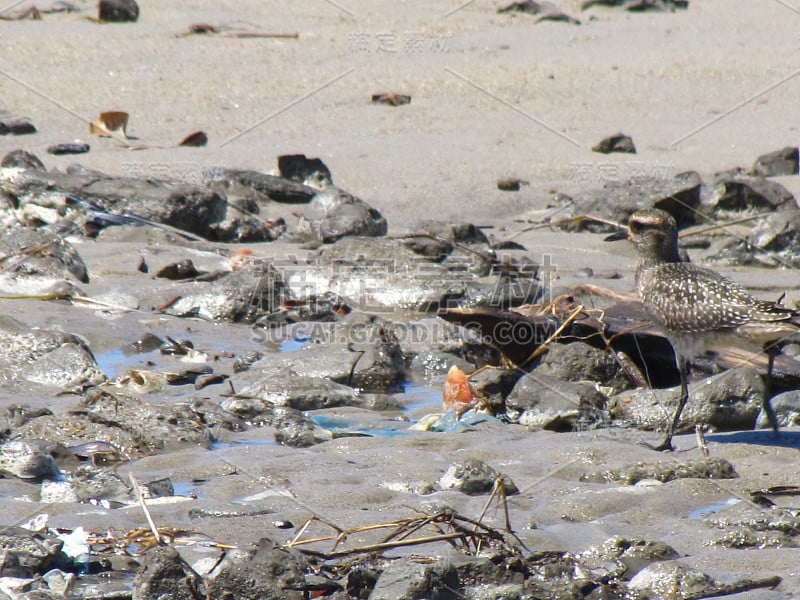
730	400
581	362
787	410
259	186
21	159
737	193
308	171
334	214
240	296
70	367
704	468
622	558
38	253
473	477
403	579
164	574
28	459
268	573
671	579
754	518
772	242
616	200
25	553
293	428
542	402
785	161
92	483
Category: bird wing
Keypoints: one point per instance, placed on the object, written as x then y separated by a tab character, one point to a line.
683	297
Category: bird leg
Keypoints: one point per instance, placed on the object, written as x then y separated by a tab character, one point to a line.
771	350
667	443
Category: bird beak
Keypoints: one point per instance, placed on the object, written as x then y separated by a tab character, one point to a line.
622	234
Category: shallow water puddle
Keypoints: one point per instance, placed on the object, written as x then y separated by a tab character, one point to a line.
421	397
116	362
340	427
702	513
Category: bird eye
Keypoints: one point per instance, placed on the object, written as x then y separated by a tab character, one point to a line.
635	226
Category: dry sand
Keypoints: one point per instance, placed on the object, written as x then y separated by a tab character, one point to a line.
493	95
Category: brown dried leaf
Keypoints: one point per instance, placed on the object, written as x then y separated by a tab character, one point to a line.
110	124
196	139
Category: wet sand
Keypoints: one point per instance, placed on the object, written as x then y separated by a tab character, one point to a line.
492	96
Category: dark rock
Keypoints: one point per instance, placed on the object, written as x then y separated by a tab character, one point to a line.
268	573
257	185
704	468
539	401
183	269
73	148
639	5
738	193
164	574
118	11
403	579
25	553
308	171
473	477
615	143
23	160
510	184
581	362
247	229
781	162
787	410
546	11
334	214
28	459
494	385
772	243
16	126
360	581
617	200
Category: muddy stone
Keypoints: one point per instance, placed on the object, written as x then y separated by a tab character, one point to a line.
473	477
25	553
22	159
38	254
118	11
407	580
730	400
787	410
615	143
579	362
741	193
164	574
785	161
334	214
706	468
28	459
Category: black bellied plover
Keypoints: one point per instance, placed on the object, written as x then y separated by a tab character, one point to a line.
697	307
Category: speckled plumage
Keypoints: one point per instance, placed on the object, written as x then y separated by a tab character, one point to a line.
695	305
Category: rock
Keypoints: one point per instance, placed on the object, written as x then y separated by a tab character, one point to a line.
25	553
108	199
615	143
704	468
45	356
92	483
38	254
183	269
270	572
260	186
494	386
73	148
741	193
787	410
785	161
293	428
473	477
16	126
617	200
164	574
744	538
772	243
622	558
20	159
28	459
754	518
118	11
580	362
671	579
542	402
308	171
240	296
639	5
334	214
546	11
391	99
511	184
403	579
730	400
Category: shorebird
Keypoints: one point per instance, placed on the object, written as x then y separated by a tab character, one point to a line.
697	307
